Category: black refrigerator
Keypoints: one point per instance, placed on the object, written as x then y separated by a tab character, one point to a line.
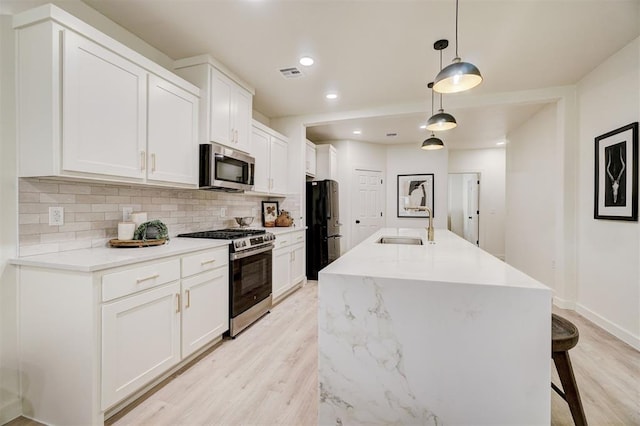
323	225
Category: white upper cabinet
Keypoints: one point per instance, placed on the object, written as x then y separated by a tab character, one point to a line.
271	151
326	162
310	159
90	107
173	133
103	110
226	103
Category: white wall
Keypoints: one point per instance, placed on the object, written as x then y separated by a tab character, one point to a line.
490	163
608	251
9	385
354	155
531	189
410	159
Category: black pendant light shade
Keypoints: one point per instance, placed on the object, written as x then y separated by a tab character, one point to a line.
432	143
459	76
441	121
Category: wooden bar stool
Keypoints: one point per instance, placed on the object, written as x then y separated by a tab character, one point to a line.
564	336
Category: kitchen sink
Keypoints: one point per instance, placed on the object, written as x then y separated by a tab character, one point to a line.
415	241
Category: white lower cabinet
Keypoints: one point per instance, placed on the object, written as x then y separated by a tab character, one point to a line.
288	262
90	340
140	340
201	321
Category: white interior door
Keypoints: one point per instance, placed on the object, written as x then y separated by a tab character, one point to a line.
472	212
366	204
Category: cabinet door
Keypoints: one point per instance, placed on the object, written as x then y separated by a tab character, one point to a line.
310	159
220	120
278	166
243	103
173	132
205	313
280	275
260	143
140	340
104	111
297	263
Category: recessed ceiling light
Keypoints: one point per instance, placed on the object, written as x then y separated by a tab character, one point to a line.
332	96
424	126
307	61
357	132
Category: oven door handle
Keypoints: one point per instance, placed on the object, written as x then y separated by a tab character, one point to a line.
247	253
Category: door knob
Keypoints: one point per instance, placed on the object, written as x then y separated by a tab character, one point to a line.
357	221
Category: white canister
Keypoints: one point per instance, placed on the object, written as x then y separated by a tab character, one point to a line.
126	230
138	218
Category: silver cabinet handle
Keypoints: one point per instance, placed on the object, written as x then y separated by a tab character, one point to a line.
153	162
150	277
142	160
206	262
177	303
188	294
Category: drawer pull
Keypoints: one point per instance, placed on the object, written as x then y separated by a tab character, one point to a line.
177	303
206	262
150	277
188	294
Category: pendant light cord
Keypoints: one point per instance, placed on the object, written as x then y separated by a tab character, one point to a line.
456	33
441	70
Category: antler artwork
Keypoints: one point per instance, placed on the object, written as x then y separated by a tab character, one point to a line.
615	182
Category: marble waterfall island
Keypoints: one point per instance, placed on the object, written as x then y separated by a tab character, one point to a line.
431	334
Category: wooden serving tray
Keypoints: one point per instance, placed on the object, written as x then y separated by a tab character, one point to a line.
136	243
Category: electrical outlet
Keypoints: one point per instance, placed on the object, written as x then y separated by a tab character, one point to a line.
223	211
56	216
126	214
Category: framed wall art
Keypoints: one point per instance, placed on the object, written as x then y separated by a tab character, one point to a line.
270	212
415	191
616	174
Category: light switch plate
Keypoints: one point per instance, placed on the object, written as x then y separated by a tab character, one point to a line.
223	211
126	214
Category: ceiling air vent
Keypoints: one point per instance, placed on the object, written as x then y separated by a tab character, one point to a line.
290	72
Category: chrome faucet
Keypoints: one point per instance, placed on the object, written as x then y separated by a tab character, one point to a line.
430	233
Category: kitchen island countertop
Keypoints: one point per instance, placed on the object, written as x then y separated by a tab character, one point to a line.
431	334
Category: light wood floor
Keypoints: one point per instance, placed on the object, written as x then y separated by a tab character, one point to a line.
268	376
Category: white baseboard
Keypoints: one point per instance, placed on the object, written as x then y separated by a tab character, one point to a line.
620	333
10	410
563	303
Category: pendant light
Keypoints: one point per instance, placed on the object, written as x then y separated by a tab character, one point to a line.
441	120
432	142
459	76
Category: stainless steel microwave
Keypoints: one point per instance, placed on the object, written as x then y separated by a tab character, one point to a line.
225	169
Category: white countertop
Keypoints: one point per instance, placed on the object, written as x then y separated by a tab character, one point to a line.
450	259
95	259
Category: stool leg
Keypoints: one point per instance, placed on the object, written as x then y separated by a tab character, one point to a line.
565	371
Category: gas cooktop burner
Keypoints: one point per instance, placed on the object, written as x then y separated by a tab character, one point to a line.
225	234
243	238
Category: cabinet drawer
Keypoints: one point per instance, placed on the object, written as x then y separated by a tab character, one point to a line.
132	280
288	239
204	261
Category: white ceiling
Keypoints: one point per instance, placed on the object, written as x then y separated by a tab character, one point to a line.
380	53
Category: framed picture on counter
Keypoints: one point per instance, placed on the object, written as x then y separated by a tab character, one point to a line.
415	191
616	174
270	212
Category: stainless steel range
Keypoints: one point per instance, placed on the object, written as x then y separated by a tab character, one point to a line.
250	267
